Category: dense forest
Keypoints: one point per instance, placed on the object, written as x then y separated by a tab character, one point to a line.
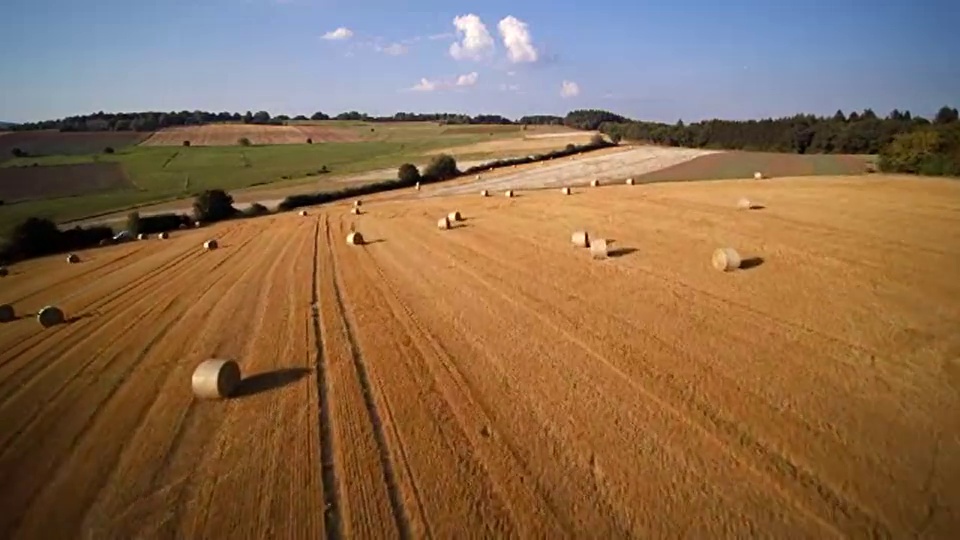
904	142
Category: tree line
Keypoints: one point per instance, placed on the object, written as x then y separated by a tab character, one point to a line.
152	121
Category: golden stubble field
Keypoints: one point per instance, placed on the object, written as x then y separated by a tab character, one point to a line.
492	380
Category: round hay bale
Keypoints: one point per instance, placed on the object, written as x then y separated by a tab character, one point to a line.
73	258
565	191
508	193
50	316
215	379
594	183
443	223
163	236
629	181
725	259
4	272
355	239
744	204
357	203
210	244
580	239
478	177
418	186
598	249
355	211
758	176
454	216
303	212
141	236
198	224
484	193
7	313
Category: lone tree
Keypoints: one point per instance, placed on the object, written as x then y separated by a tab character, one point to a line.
213	205
442	167
408	174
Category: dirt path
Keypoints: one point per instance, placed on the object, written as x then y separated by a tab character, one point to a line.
494	379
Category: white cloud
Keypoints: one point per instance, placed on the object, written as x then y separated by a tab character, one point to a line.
394	49
517	40
426	85
445	35
569	89
432	85
339	34
509	87
469	79
477	42
511	73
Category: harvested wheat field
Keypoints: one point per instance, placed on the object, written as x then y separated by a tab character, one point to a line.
229	135
493	380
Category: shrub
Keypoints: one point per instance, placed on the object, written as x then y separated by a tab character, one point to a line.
17	152
186	143
36	237
309	141
133	223
213	205
596	140
243	141
255	209
108	150
571	148
323	170
441	167
408	174
157	223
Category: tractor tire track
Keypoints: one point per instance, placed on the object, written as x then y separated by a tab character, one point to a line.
389	477
332	521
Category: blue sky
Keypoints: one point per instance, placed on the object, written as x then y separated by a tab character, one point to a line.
654	60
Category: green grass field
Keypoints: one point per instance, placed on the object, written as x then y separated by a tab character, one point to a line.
161	173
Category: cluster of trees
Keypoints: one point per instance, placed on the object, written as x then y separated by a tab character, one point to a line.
858	133
36	237
541	120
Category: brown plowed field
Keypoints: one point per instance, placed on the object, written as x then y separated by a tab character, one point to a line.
229	134
25	183
493	381
48	142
